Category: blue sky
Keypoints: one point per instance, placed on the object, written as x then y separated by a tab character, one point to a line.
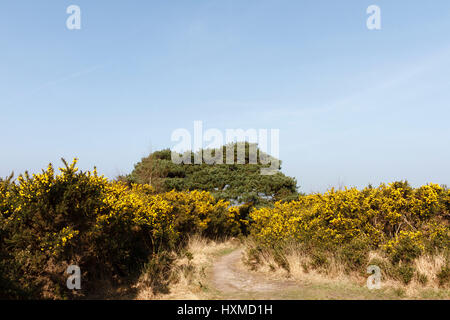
353	106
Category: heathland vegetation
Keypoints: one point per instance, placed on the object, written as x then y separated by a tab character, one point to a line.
134	229
233	182
402	230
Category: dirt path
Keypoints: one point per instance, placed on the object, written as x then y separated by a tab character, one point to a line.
229	277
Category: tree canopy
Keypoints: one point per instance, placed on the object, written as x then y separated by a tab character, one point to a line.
235	182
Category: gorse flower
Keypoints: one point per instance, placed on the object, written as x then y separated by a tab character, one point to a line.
384	215
50	219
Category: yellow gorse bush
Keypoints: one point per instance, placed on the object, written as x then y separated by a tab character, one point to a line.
383	215
136	205
51	219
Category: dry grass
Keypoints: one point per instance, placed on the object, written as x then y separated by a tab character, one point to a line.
300	269
430	266
191	271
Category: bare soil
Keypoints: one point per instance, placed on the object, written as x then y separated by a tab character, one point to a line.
229	276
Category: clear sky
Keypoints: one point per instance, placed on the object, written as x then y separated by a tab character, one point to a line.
353	106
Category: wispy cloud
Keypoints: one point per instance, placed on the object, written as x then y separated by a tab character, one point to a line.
388	84
57	81
67	78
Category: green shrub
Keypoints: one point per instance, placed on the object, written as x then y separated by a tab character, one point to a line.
444	276
108	229
355	255
241	183
422	278
405	250
405	273
158	273
253	257
281	260
319	260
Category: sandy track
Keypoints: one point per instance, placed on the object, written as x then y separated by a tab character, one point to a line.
229	276
232	280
